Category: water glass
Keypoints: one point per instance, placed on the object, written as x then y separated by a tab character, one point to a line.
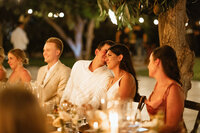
36	90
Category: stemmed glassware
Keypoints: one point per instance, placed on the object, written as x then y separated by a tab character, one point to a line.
37	91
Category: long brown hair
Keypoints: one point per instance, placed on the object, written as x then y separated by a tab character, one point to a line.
126	63
167	55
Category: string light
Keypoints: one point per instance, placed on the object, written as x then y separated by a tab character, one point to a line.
61	14
141	20
50	15
155	21
30	11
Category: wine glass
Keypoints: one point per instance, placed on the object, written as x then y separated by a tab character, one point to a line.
36	90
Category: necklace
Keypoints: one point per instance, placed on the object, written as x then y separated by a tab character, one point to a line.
115	79
112	81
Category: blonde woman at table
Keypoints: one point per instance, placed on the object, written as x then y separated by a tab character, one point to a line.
20	112
16	59
2	69
168	96
124	84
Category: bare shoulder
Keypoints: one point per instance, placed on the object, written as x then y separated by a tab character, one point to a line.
128	77
2	71
176	90
25	74
176	95
127	86
25	71
2	74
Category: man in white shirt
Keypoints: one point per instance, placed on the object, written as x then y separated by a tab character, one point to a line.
19	38
53	77
88	80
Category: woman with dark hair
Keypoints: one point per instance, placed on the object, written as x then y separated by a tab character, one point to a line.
124	84
168	96
16	59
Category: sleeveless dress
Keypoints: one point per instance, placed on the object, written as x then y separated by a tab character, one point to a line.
112	93
16	82
162	107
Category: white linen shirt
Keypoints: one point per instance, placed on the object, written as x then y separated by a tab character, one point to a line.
86	87
19	39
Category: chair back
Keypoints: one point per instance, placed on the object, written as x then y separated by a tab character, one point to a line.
141	103
194	106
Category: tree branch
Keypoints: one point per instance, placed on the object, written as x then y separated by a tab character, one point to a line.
90	37
61	33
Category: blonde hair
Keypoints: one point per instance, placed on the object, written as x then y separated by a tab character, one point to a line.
2	55
20	54
58	42
20	111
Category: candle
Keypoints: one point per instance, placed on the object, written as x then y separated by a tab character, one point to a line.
102	101
95	125
128	118
113	118
103	104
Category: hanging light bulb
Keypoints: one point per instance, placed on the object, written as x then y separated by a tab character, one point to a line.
30	11
61	14
141	20
155	21
50	15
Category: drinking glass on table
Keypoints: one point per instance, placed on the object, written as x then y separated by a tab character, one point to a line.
36	90
127	116
50	107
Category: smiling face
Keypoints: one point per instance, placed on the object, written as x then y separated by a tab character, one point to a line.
50	53
13	61
101	53
112	60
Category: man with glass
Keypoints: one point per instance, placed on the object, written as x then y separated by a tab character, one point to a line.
88	80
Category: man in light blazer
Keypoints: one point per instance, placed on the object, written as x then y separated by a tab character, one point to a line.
52	77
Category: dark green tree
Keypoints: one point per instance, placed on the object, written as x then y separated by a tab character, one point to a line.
80	17
172	17
8	14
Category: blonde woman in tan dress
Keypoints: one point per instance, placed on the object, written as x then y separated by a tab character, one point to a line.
16	59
